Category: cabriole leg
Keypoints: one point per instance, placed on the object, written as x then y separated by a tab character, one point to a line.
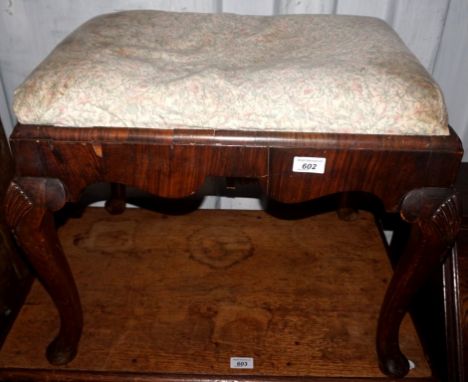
29	205
435	218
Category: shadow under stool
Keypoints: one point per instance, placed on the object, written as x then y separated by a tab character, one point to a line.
306	105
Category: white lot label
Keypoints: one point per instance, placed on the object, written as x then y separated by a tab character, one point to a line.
314	165
242	363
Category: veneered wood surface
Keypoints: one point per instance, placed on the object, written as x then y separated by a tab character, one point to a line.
175	163
170	294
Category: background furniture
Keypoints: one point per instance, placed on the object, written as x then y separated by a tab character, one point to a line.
15	279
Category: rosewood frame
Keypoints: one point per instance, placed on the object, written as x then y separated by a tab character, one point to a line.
411	175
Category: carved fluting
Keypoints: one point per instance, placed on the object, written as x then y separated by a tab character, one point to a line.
17	204
437	210
447	219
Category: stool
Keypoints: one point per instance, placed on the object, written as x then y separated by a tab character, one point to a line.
309	105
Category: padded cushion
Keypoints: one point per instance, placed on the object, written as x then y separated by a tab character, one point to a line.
317	73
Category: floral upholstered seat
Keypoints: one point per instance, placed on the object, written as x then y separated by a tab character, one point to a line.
307	73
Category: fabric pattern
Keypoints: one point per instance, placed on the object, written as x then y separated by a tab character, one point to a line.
313	73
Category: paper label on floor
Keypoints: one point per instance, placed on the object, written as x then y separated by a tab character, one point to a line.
242	363
314	165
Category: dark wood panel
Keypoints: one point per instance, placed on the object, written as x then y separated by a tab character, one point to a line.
441	309
387	174
175	163
456	282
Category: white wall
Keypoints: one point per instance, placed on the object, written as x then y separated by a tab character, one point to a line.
451	68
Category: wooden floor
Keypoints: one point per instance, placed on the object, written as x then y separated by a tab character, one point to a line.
182	294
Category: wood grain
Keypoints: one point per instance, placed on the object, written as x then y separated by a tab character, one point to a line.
175	163
304	294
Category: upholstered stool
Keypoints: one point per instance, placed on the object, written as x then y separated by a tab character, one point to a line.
307	105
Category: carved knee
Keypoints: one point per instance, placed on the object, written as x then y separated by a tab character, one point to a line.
27	194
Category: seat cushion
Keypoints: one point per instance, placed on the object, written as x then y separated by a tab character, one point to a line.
302	73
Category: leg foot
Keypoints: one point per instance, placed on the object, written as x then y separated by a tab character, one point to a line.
60	352
395	365
435	218
116	203
29	204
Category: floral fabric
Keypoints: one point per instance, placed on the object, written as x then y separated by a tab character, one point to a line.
314	73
